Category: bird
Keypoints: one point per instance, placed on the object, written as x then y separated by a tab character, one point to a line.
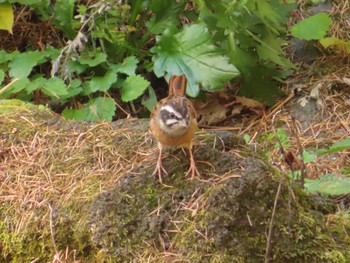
173	123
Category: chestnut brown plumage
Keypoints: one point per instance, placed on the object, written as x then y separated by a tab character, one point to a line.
173	122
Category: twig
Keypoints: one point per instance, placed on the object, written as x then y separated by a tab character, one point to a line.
52	227
300	149
275	132
269	236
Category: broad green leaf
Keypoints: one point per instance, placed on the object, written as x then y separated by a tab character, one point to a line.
103	83
54	87
191	52
78	115
2	76
328	184
267	13
151	101
165	14
133	87
4	56
6	17
73	89
22	64
92	59
37	82
102	108
15	87
97	109
63	11
334	41
337	147
52	53
127	67
314	27
19	85
74	66
23	2
259	83
270	50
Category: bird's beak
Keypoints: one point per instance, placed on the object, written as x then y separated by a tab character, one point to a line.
183	123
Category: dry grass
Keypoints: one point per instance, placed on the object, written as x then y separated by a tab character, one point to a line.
332	123
46	162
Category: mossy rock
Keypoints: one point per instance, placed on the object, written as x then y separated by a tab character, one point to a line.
218	221
85	191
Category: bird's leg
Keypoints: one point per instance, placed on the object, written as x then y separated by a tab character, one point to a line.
193	169
159	166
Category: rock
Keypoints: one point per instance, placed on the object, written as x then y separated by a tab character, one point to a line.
219	219
85	191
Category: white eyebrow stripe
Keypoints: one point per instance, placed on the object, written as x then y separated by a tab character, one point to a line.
170	109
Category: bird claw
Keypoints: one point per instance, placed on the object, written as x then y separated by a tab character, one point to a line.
193	168
159	167
158	170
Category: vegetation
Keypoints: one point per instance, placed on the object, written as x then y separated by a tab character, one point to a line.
105	60
114	50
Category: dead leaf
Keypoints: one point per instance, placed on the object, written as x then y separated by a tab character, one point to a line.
249	103
220	106
210	112
292	161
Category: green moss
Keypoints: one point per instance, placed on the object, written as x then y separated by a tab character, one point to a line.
102	214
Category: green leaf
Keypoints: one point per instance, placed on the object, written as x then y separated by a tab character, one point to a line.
63	11
314	27
23	2
268	15
92	59
103	83
133	87
259	83
191	52
334	41
308	157
78	115
270	50
54	87
6	17
165	15
4	56
151	101
37	82
23	63
73	89
246	138
19	85
74	66
2	76
16	87
97	109
127	67
328	184
283	138
337	147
